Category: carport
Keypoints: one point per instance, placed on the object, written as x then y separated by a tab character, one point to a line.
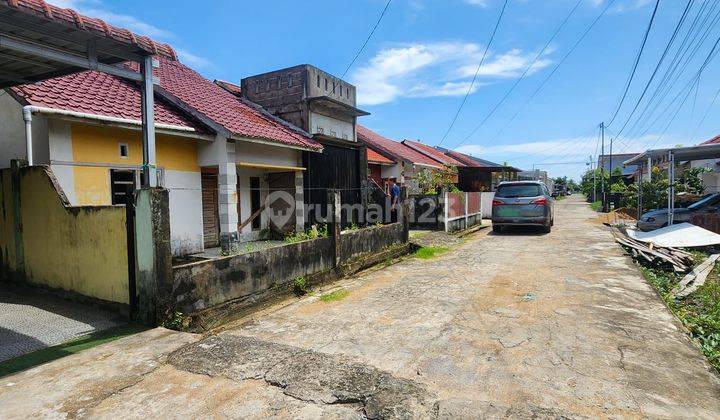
39	41
649	158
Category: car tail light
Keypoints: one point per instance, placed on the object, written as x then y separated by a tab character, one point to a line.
540	201
497	203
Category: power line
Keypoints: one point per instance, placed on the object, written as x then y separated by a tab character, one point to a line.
657	67
477	71
637	61
679	61
555	69
527	70
387	5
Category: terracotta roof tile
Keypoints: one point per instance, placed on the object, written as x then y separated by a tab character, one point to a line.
432	153
714	140
70	17
238	116
375	157
393	148
97	93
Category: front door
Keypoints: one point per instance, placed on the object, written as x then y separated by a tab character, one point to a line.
211	220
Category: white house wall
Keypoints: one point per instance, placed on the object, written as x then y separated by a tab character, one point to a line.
12	130
186	224
248	152
60	147
331	126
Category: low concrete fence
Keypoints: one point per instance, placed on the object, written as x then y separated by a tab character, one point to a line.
463	210
44	241
207	293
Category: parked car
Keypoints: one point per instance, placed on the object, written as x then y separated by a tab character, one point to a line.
655	219
522	203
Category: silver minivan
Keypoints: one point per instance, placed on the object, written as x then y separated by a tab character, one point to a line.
522	203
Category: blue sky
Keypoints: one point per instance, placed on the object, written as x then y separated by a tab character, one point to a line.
416	69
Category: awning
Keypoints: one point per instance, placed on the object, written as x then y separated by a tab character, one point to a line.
337	105
711	151
270	167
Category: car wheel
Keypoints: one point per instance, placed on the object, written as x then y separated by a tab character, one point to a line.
552	222
547	228
497	229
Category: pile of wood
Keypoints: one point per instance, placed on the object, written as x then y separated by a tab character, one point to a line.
681	261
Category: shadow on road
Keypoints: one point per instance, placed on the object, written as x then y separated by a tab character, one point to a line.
520	231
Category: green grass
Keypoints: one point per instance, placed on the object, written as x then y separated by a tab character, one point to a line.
335	296
596	205
49	354
699	312
428	252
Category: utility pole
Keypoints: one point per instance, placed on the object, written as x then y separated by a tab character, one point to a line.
602	166
594	196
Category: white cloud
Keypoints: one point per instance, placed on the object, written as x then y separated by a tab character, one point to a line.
435	69
479	3
96	8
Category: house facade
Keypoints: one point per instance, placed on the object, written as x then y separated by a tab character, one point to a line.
406	161
219	156
325	107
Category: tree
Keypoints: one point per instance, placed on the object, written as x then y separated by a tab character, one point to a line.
429	180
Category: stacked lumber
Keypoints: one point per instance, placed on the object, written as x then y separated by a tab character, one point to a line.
681	261
696	278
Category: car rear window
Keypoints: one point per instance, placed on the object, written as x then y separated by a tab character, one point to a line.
510	191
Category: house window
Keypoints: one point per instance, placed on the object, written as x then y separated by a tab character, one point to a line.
326	84
124	150
347	92
122	185
318	80
333	88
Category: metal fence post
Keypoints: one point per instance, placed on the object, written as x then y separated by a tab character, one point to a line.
467	217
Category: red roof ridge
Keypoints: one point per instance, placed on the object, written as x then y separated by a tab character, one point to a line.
396	149
713	140
71	17
432	153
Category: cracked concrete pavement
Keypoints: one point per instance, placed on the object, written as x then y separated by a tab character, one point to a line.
521	325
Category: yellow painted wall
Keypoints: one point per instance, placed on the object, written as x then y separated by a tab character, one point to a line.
7	222
80	249
100	144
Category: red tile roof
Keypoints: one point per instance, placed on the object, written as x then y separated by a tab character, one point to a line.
94	26
97	93
237	115
375	157
433	153
393	148
230	87
714	140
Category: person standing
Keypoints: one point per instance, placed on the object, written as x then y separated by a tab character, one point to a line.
394	198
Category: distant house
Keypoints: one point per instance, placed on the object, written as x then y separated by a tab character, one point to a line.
407	161
609	163
477	174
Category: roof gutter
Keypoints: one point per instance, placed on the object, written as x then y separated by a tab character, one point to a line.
28	110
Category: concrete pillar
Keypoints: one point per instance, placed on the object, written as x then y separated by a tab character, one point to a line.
153	256
227	206
299	202
334	222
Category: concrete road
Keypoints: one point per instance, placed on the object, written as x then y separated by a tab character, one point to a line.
522	325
